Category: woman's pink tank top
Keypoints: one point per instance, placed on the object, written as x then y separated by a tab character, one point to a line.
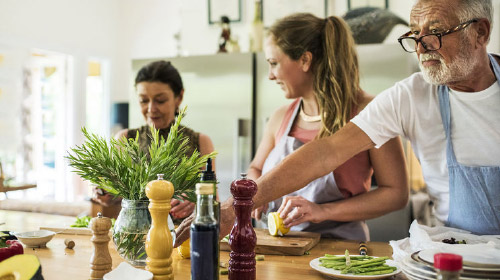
353	177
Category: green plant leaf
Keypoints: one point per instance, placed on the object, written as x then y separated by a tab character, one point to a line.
121	168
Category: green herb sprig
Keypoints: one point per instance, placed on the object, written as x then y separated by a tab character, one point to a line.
121	168
81	222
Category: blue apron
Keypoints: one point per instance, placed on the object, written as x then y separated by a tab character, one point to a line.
321	190
474	190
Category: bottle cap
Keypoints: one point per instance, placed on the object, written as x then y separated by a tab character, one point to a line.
445	261
204	188
208	174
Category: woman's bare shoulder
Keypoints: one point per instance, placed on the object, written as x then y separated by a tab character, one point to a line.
206	144
364	99
277	117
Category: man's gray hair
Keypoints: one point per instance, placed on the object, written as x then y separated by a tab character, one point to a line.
469	9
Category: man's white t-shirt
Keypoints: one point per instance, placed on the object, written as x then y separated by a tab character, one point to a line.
411	109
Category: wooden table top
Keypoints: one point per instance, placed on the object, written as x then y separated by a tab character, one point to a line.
58	262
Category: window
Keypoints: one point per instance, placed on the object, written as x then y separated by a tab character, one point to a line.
97	105
45	124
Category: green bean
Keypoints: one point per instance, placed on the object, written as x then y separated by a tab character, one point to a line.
334	257
377	272
376	268
372	264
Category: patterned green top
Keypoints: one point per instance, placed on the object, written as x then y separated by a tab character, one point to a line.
145	137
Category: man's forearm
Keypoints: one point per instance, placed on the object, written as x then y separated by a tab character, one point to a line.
311	161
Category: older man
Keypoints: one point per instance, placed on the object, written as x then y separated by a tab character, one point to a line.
449	111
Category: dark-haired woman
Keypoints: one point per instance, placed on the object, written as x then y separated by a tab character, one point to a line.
160	91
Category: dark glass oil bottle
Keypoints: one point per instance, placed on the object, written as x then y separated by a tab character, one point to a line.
208	176
204	236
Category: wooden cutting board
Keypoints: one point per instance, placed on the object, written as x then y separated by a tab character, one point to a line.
69	230
294	243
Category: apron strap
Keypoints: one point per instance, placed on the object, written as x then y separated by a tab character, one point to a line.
444	105
291	120
496	67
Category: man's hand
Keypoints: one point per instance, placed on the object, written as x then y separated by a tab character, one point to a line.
104	198
183	231
181	209
295	210
227	217
257	212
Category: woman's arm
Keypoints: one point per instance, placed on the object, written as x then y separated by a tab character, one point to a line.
183	209
392	193
121	133
206	147
266	144
265	147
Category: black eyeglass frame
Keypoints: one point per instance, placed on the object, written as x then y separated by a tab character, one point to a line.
459	27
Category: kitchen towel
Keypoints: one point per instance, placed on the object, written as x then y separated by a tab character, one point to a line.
424	237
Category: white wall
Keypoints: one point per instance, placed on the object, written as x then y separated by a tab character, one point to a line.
82	29
121	30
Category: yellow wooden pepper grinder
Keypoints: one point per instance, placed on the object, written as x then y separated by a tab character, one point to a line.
100	261
159	240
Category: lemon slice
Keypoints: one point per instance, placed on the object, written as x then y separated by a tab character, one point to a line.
272	224
275	224
184	249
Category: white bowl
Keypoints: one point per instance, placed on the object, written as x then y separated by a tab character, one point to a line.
37	238
125	271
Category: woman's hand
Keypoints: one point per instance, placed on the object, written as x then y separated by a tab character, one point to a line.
295	210
227	218
180	209
104	198
257	212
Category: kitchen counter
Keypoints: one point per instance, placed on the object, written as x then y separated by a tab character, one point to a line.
58	262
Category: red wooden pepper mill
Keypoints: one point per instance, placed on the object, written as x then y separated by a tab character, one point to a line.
242	239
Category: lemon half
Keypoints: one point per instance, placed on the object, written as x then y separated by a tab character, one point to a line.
184	249
275	225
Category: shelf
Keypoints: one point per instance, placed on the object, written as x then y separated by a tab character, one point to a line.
5	189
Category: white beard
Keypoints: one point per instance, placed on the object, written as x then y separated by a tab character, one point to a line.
443	73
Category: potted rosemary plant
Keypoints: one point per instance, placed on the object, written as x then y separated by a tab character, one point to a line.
121	168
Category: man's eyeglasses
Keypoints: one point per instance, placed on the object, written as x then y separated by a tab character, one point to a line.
430	42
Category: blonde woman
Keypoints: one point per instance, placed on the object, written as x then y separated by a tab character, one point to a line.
314	61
